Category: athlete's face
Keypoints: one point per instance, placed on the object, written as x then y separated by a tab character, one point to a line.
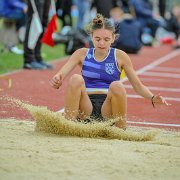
102	39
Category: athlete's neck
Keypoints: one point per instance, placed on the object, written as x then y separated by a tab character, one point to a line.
100	55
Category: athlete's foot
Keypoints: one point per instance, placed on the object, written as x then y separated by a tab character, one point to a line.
121	124
61	113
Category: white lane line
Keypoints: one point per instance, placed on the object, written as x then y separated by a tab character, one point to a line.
145	123
150	66
137	96
61	110
156	63
154	124
167	69
151	79
160	74
167	98
157	88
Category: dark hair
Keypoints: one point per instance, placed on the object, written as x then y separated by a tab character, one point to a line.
100	22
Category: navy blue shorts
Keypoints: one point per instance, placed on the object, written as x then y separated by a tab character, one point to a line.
97	101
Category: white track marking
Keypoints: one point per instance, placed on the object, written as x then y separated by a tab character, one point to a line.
61	110
156	63
157	88
145	123
151	79
167	69
138	72
141	71
160	74
167	98
154	124
137	96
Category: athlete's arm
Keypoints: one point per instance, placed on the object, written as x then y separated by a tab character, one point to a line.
75	59
126	64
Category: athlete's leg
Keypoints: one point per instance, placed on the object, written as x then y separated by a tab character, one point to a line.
76	98
115	105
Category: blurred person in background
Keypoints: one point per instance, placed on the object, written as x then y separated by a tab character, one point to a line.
14	10
173	23
128	30
63	8
162	7
32	57
104	7
83	7
144	14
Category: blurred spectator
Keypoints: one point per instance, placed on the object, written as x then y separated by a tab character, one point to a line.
173	23
124	4
129	31
104	6
144	14
162	7
63	8
13	11
32	57
83	7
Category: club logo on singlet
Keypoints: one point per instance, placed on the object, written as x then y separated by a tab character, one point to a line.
109	68
89	56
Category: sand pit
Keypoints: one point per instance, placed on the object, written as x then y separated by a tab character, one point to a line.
27	154
54	148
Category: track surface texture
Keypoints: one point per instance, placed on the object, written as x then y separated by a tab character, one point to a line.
157	67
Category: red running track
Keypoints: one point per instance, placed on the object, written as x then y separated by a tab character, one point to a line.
158	68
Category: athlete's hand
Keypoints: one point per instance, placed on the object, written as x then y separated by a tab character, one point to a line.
56	81
158	99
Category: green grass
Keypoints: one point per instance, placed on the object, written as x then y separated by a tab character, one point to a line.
11	62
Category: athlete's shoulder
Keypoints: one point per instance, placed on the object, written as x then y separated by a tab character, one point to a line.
81	51
79	55
121	54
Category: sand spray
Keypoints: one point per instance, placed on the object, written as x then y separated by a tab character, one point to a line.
53	122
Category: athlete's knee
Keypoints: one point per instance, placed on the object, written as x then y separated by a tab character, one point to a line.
76	81
117	88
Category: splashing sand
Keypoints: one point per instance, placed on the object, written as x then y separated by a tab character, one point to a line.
53	122
29	154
